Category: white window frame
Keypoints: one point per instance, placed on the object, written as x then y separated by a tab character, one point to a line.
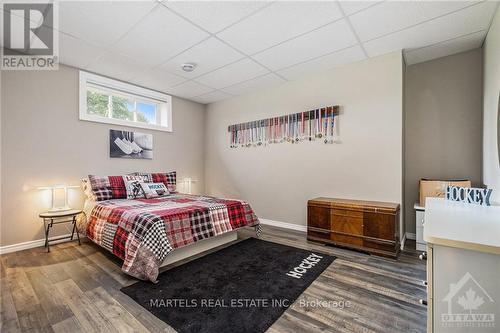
164	102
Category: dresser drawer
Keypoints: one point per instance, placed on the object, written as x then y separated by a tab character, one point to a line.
348	225
420	218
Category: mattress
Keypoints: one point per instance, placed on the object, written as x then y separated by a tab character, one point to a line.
142	232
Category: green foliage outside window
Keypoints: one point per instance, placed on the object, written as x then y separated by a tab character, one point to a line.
120	110
97	104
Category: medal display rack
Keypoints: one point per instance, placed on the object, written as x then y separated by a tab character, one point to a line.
318	124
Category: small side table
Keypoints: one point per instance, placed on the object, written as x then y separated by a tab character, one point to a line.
51	218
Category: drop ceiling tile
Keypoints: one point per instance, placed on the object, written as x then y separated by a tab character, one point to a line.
260	82
211	97
242	70
351	7
208	55
116	66
189	89
76	52
392	16
325	40
160	36
214	15
457	45
323	63
158	79
101	22
463	22
278	22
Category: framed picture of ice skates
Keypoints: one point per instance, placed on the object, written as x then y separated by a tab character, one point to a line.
126	144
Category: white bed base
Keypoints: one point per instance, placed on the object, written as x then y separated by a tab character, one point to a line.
199	247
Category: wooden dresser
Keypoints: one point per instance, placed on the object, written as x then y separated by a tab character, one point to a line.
363	225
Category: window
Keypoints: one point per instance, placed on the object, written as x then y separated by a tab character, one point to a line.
113	102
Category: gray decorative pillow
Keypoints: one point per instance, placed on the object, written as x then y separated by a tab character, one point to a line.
154	190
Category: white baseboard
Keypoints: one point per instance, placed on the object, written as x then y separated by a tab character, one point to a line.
31	244
283	225
411	235
403	242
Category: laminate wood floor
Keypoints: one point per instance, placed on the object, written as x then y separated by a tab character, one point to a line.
77	289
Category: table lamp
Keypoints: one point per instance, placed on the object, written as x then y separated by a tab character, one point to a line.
59	196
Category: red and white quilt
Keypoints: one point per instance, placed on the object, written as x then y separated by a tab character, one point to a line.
143	231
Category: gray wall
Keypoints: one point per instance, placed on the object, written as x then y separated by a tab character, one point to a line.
491	121
443	123
279	179
43	142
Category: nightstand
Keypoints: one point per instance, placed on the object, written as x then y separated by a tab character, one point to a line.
51	218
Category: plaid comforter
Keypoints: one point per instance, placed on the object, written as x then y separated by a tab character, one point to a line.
143	231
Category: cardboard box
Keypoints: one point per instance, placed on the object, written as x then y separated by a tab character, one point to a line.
437	188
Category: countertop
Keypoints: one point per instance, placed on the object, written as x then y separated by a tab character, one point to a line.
462	225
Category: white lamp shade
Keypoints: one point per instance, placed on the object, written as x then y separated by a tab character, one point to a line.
59	198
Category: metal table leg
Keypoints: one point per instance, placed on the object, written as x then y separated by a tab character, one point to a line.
49	225
46	231
73	231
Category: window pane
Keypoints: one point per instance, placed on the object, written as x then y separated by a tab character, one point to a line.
121	108
146	113
124	104
97	103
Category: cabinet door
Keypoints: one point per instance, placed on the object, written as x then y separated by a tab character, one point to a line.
379	226
318	217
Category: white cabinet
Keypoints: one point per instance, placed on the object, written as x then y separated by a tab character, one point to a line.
419	227
463	267
457	277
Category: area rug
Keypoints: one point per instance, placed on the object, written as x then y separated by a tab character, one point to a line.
245	287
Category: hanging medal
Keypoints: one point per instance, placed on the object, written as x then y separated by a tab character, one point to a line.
254	136
310	125
287	128
262	133
249	135
325	126
332	127
296	128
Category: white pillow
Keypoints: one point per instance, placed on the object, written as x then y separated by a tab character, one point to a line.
133	186
154	190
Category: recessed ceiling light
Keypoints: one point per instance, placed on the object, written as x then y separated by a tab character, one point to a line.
188	67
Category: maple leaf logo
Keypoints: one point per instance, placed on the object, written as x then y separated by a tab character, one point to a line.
470	301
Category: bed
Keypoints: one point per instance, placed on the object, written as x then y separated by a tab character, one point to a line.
143	232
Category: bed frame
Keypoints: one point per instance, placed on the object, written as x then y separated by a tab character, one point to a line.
199	247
